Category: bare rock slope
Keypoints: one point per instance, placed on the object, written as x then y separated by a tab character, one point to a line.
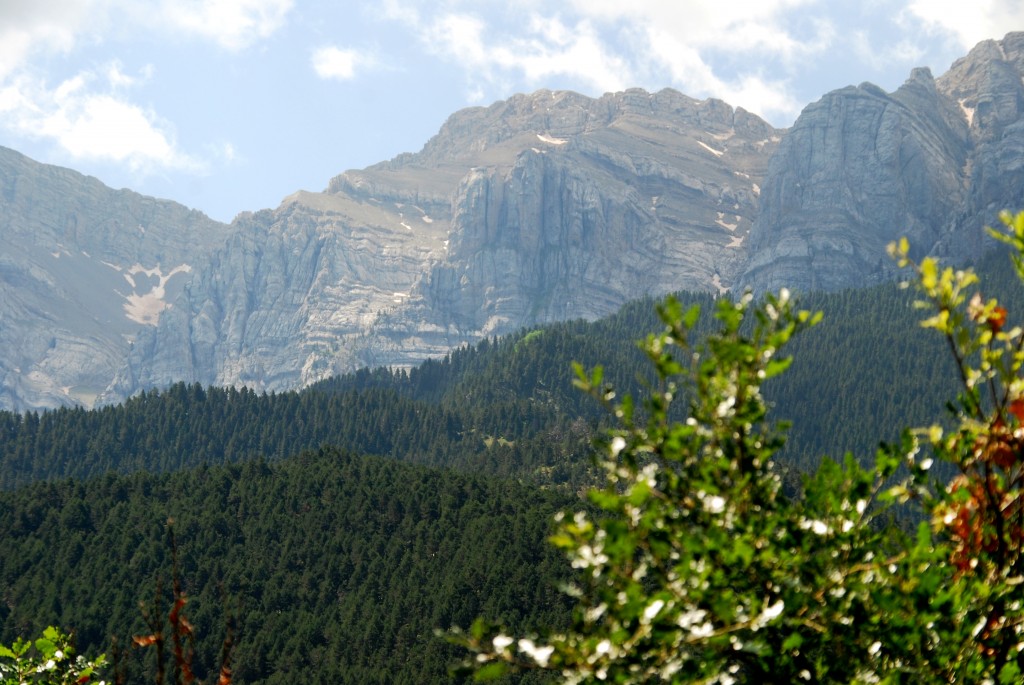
539	208
84	271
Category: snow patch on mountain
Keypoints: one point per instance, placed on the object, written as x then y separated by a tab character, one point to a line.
145	308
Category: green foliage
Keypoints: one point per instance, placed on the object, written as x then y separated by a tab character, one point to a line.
516	390
48	660
699	570
508	408
980	512
336	567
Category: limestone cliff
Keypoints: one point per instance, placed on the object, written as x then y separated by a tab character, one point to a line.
544	207
935	161
84	271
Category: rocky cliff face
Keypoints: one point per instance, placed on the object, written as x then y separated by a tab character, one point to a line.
626	195
935	161
539	208
84	271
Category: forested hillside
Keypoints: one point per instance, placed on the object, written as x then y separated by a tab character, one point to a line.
506	406
343	563
701	566
339	568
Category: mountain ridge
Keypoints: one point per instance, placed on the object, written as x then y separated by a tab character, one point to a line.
512	226
539	208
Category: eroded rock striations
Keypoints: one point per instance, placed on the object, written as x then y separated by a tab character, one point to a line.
934	161
84	270
539	208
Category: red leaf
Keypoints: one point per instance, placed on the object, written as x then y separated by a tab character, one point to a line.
997	319
1017	409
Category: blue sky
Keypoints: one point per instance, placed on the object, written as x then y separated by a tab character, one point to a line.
230	105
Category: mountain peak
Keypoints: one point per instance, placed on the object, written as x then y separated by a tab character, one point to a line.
564	115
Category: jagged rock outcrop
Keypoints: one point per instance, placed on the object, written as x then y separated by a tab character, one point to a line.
637	194
289	298
988	87
935	161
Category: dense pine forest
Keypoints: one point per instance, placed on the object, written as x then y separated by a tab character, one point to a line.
342	524
505	407
337	568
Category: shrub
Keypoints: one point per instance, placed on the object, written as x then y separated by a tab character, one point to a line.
697	569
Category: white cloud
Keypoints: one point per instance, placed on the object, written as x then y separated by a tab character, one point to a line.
547	48
28	28
234	24
609	45
462	37
576	51
227	152
401	11
764	96
685	42
904	51
337	63
89	118
743	26
52	26
970	23
91	115
694	76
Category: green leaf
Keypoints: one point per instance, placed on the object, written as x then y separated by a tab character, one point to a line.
478	629
691	316
20	646
743	551
929	273
792	642
45	647
1010	675
491	671
924	535
638	493
777	366
606	500
562	541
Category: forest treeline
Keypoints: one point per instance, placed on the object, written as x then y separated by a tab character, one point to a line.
506	406
353	518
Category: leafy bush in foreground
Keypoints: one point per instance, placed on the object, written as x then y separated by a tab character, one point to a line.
47	660
698	570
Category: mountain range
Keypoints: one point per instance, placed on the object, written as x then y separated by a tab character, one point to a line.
544	207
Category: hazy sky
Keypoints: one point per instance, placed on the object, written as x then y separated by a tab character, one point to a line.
230	105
